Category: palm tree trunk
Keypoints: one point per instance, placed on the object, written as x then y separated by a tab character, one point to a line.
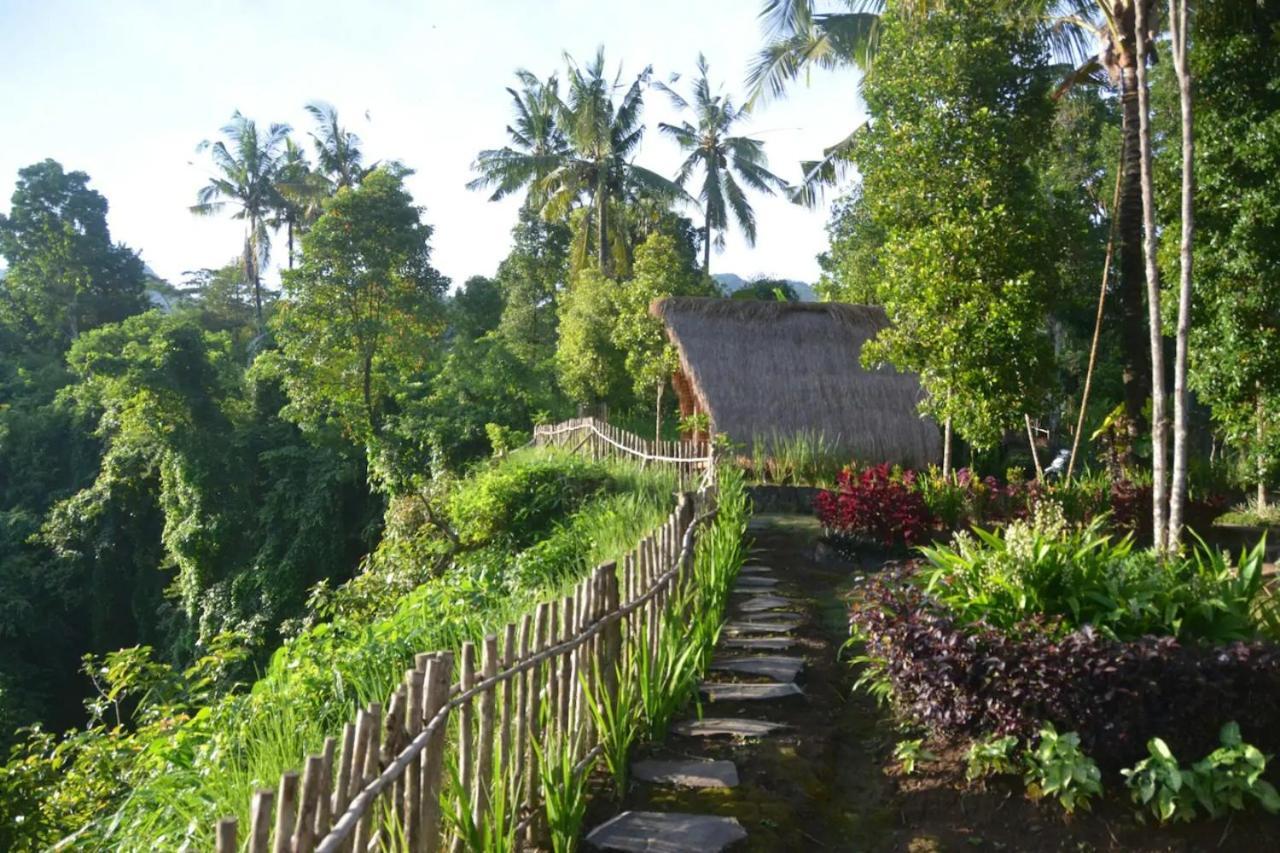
1178	488
602	245
252	273
1159	443
289	231
706	248
1129	299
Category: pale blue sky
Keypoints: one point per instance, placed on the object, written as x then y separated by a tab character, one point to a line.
125	89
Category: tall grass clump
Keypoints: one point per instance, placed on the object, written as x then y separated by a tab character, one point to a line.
803	458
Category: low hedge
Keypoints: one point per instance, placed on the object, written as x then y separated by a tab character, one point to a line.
975	681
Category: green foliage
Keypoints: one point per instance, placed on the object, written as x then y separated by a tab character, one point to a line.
1227	780
65	275
959	105
991	756
1058	768
564	791
361	310
1234	347
800	459
1069	577
851	267
532	277
589	365
768	290
908	753
476	308
659	272
617	721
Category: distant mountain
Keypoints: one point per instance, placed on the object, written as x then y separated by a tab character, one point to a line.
732	282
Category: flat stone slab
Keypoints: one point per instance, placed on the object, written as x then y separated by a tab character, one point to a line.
731	726
754	582
763	602
755	570
717	691
762	626
777	667
687	774
666	832
758	644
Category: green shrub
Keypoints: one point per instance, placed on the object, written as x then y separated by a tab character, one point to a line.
1058	768
990	756
1070	576
909	753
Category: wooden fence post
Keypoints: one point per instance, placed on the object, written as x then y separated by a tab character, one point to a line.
484	752
438	678
226	842
285	809
415	679
260	820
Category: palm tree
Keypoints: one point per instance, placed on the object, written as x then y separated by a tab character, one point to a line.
1088	36
724	160
597	169
301	193
537	144
247	163
338	154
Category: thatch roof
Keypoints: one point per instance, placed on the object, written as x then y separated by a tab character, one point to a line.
763	369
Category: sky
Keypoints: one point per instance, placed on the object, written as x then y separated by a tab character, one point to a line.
125	90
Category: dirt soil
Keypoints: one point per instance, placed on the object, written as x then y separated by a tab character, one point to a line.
830	783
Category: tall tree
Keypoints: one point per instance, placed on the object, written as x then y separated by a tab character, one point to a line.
532	277
247	164
722	158
1087	36
301	193
361	310
65	275
1178	26
338	155
959	110
598	170
536	145
1234	344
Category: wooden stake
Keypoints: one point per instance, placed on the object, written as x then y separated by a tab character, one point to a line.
260	820
285	811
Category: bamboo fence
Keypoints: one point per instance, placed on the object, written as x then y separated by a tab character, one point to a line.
601	440
466	732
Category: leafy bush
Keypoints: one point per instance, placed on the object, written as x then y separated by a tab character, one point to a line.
970	679
1070	577
875	503
514	504
1057	767
1228	779
910	752
990	756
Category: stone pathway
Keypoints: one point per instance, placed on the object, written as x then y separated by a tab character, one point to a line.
750	677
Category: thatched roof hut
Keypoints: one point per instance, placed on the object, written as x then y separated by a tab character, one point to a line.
764	369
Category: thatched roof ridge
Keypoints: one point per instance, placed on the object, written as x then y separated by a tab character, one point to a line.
761	369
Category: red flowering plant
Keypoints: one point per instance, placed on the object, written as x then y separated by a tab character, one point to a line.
878	503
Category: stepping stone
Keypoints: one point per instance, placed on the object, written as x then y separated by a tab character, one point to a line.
666	832
718	691
758	644
754	582
777	667
755	570
763	602
687	774
762	627
732	726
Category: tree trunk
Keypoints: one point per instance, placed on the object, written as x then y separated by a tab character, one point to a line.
252	272
946	447
289	232
367	370
1035	454
706	248
1262	456
602	247
1159	486
1178	487
1128	295
657	423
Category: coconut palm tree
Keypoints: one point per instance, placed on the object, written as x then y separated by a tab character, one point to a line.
722	158
338	154
537	144
247	163
602	137
302	192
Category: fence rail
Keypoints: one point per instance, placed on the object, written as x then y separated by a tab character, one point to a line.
602	440
468	735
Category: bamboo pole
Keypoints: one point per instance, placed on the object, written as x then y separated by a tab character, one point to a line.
484	752
439	676
260	820
285	810
415	680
